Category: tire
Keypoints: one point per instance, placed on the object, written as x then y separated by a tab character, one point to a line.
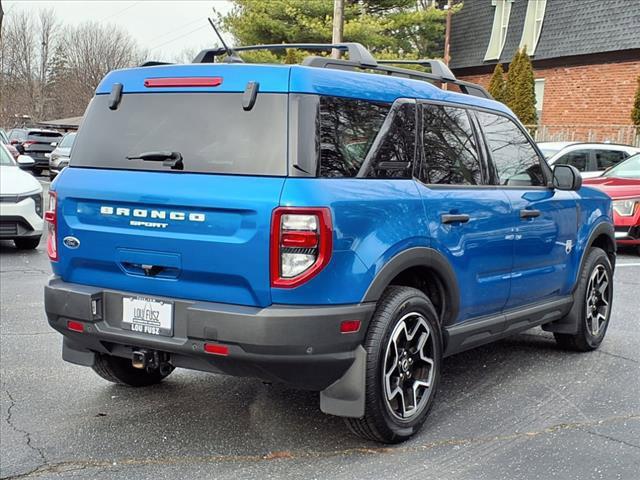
386	417
27	243
119	370
597	268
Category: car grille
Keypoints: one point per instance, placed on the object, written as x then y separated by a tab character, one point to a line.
8	228
10	198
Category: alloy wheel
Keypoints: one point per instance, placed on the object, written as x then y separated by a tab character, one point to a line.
598	299
409	367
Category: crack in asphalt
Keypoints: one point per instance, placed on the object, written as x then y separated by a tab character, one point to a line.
604	352
27	270
103	465
27	435
26	334
613	439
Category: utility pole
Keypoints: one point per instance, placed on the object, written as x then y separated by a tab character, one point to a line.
447	32
338	25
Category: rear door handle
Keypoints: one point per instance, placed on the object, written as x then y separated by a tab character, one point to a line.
529	213
454	218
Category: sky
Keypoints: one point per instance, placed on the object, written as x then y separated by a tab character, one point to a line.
166	28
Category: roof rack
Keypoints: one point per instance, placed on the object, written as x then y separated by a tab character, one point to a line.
359	58
356	51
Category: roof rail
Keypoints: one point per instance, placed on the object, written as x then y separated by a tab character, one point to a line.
438	67
153	63
357	53
359	58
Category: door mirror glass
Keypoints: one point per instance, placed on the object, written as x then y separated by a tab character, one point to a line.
25	161
566	177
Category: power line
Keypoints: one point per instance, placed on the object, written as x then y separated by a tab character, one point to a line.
164	35
120	11
178	38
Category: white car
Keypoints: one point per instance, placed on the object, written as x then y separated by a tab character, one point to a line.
591	159
20	202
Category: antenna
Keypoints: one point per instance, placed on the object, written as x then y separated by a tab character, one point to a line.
232	56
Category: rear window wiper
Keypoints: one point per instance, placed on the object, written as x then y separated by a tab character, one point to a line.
168	159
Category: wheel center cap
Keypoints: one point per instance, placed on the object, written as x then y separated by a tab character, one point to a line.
404	364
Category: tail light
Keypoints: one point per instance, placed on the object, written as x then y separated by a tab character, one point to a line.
301	244
27	143
51	217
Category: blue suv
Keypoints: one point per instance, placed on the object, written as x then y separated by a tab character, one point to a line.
338	226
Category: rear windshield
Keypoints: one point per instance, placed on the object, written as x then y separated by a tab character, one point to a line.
43	136
211	132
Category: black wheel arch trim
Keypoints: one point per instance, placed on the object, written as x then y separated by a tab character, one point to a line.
419	257
603	228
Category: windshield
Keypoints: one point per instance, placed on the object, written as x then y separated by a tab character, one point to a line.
549	152
211	132
67	141
630	168
5	157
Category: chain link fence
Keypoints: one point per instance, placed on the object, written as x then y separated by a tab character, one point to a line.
622	134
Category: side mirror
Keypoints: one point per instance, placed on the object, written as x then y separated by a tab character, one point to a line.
25	161
566	177
54	144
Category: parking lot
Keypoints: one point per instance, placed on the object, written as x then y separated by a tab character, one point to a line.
520	408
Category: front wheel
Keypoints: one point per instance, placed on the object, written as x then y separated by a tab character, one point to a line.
592	304
404	356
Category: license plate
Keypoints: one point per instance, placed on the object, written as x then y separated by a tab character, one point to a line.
147	315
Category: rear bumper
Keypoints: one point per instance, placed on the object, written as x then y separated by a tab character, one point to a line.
299	346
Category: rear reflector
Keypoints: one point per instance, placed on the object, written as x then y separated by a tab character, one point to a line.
299	239
75	326
350	326
214	349
183	82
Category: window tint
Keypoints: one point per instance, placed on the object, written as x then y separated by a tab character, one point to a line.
515	160
392	154
608	158
211	131
450	154
348	128
577	158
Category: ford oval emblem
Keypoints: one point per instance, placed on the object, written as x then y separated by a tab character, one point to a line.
71	242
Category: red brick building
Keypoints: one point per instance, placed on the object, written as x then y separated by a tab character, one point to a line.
585	53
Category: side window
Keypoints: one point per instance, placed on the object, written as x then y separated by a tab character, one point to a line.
450	154
608	158
515	160
347	129
577	158
394	154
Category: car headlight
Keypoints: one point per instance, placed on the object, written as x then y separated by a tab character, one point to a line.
626	208
37	199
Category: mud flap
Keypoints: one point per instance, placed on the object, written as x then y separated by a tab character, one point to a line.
345	397
76	355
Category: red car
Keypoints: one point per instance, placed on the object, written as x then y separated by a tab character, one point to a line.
622	184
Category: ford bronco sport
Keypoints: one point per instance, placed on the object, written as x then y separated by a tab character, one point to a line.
338	226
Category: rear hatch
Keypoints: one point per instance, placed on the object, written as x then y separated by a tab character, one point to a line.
38	144
195	228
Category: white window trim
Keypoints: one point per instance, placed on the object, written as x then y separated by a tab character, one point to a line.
499	29
533	25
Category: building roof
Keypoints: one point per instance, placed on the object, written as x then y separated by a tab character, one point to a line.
570	27
63	123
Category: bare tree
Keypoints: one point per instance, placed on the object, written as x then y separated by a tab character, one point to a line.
92	50
50	71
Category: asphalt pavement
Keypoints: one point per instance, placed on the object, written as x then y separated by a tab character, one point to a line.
517	409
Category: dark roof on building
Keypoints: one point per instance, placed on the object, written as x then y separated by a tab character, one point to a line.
570	27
